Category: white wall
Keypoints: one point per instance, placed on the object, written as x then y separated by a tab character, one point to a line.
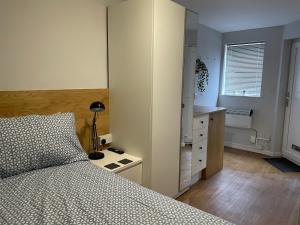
53	44
111	2
264	119
209	46
292	30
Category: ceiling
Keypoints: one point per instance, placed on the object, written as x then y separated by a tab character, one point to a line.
234	15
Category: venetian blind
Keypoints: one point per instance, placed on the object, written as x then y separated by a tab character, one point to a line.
243	69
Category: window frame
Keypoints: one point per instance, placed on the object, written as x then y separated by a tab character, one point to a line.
224	69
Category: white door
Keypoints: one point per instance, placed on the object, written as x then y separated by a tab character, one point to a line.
188	95
291	144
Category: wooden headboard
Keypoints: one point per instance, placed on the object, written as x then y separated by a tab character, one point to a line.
19	103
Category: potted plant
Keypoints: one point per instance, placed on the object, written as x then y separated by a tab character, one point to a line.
202	75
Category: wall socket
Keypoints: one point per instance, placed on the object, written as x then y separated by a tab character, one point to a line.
107	137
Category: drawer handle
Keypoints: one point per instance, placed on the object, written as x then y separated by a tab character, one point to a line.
211	119
200	148
201	135
200	160
202	122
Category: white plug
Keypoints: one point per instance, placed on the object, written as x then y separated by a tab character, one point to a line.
253	139
106	137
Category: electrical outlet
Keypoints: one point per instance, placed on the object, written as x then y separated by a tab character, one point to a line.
107	137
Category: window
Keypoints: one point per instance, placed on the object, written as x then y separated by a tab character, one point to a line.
243	69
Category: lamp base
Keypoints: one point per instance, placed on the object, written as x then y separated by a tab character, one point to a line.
96	155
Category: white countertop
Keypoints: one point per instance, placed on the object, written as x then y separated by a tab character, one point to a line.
111	157
201	110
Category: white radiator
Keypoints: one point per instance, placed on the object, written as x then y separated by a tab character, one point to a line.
239	118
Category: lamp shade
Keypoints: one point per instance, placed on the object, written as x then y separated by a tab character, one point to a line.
97	107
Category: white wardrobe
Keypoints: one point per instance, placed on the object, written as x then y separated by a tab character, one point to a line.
146	41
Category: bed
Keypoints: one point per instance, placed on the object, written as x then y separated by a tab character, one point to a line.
46	178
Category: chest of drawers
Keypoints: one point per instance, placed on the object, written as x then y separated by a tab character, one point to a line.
199	149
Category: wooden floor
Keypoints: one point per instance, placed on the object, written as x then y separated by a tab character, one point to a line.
248	191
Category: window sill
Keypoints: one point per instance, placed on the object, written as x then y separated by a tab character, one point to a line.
239	96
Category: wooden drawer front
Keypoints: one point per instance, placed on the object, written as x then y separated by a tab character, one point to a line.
199	161
199	135
215	146
134	174
201	122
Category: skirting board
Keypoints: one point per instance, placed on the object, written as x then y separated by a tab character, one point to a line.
252	149
292	158
196	178
181	192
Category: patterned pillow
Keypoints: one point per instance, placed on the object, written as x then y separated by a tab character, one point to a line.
34	142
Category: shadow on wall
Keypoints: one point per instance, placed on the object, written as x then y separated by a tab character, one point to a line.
209	48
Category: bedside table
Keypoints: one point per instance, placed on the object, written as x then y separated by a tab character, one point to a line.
131	168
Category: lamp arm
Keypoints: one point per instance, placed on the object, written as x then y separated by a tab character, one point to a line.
94	133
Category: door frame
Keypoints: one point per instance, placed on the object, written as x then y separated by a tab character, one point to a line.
285	153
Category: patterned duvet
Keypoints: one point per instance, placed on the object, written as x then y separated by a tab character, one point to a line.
80	193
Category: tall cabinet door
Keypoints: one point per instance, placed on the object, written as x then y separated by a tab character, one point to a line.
168	45
145	44
215	146
130	47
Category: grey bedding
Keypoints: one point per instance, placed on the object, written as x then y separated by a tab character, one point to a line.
80	193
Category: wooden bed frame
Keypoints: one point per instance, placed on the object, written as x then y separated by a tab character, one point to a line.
45	102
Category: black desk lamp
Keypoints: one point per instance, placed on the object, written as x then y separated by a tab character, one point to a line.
96	107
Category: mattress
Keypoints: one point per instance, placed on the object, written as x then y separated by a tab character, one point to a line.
81	193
